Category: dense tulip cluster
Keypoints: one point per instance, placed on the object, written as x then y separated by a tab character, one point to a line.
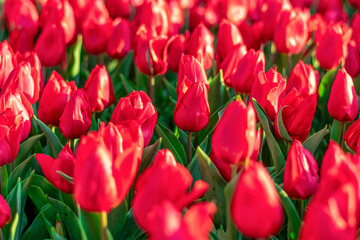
179	119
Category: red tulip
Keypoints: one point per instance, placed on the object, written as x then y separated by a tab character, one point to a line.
234	143
50	46
304	78
200	41
268	89
355	26
60	13
254	200
150	54
187	115
99	89
5	212
291	31
137	106
352	61
332	10
119	8
96	35
235	11
175	49
64	162
252	34
228	37
176	17
17	104
7	61
56	94
247	71
165	180
343	102
103	176
300	175
76	118
208	15
332	47
230	63
352	135
297	114
119	43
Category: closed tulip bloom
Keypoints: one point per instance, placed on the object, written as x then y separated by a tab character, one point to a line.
164	180
297	114
304	78
189	116
254	200
200	40
300	175
99	89
150	54
343	102
233	143
119	8
7	61
96	35
228	37
53	100
64	163
50	46
247	71
76	118
352	135
119	44
332	47
5	212
268	90
252	34
176	17
291	31
355	26
21	40
207	15
352	61
137	106
17	104
175	49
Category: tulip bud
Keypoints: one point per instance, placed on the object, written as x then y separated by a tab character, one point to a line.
228	37
50	46
99	89
297	114
165	180
233	143
96	35
201	40
352	61
352	135
56	94
254	200
252	34
247	71
230	63
268	90
300	175
5	212
64	162
150	54
343	102
291	31
304	78
187	115
17	104
7	61
137	106
337	36
175	49
119	8
119	43
76	118
21	41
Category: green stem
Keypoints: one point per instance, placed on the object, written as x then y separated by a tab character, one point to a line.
188	153
342	131
103	221
72	144
151	88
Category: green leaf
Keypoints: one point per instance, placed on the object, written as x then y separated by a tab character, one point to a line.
15	228
4	180
148	155
67	177
294	221
171	89
46	186
312	142
93	223
218	94
282	129
38	197
336	131
130	230
21	171
117	217
128	85
274	147
211	175
75	67
26	147
54	142
171	142
231	230
69	218
324	93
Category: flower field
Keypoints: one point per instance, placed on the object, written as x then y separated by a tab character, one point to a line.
179	119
